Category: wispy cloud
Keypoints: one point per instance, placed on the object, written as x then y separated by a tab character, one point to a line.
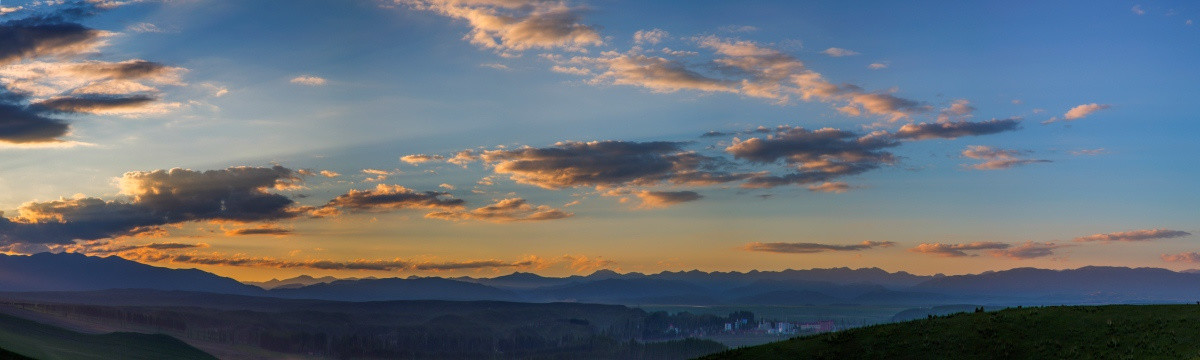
1078	112
810	248
1135	235
308	80
510	26
502	211
662	199
997	159
957	250
839	52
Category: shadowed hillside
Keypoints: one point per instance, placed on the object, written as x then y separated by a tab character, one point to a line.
1062	332
31	339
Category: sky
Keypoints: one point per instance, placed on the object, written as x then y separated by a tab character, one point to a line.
269	139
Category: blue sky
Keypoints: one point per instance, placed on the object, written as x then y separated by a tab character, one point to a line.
1083	111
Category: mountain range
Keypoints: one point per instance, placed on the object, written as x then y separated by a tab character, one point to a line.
47	272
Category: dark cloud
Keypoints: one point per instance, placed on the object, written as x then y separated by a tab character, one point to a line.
393	197
103	247
93	103
125	70
506	210
809	248
607	164
956	129
818	155
265	230
47	34
1136	235
958	250
58	34
21	125
159	197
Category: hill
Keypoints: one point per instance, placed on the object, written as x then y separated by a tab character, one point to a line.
34	340
1061	332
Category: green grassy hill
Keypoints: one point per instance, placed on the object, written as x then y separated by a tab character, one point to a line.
1066	332
44	342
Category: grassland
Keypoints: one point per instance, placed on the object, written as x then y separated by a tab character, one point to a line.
20	337
1061	332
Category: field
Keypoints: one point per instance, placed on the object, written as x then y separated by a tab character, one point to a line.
45	342
1062	332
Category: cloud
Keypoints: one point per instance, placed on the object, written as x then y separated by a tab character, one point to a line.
144	27
308	80
370	265
5	10
46	35
957	250
956	129
1079	112
816	155
1137	10
1188	257
497	66
839	52
1028	250
1135	235
997	159
662	199
606	164
878	65
830	187
95	104
160	197
738	28
386	197
506	210
741	67
654	73
1089	152
649	37
65	86
1082	111
261	230
22	125
517	25
376	175
810	248
420	158
958	109
108	247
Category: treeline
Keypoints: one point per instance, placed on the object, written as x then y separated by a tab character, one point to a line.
661	324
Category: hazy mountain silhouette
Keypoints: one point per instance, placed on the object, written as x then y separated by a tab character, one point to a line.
299	281
1092	284
396	289
76	272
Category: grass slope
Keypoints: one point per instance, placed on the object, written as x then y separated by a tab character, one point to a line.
39	341
1061	332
